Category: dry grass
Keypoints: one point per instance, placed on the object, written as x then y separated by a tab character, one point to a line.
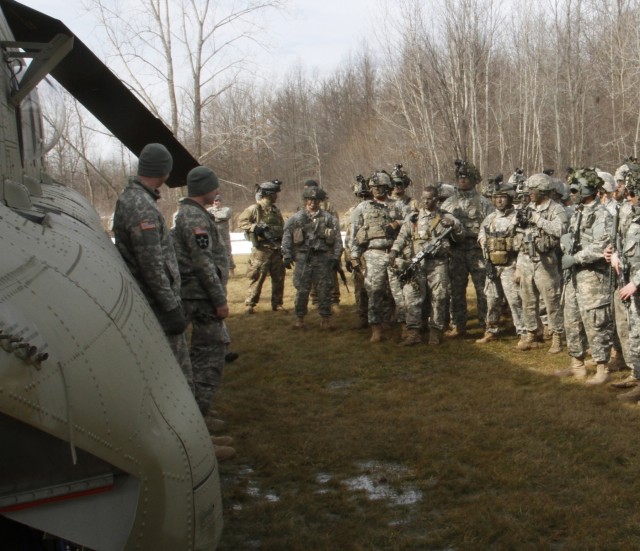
503	455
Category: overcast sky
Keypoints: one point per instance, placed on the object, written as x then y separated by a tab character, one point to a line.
317	34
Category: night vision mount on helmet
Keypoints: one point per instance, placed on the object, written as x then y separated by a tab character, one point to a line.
399	177
467	170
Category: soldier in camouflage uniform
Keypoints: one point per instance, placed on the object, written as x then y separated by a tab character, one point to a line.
329	207
471	208
222	216
539	227
143	239
204	270
400	181
496	239
312	240
263	225
626	298
375	225
587	291
432	275
362	191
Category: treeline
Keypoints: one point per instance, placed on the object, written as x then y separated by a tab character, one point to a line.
524	84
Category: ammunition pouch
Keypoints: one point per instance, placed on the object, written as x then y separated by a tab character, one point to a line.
330	236
298	236
499	258
546	243
366	234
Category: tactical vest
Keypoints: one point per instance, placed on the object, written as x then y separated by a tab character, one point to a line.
499	244
375	221
318	232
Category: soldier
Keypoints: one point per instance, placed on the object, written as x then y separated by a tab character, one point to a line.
539	227
625	260
143	239
263	225
587	319
471	208
363	193
400	181
431	277
312	239
204	270
496	239
326	206
375	225
222	216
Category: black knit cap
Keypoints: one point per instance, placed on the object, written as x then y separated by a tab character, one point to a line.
201	180
154	161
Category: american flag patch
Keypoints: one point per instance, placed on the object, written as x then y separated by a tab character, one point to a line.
147	225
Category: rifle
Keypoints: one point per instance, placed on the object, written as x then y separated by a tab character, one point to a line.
490	268
571	250
623	274
430	249
343	277
267	235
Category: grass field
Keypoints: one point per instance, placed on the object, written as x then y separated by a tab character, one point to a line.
344	445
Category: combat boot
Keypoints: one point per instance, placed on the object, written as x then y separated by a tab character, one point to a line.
547	335
456	331
601	376
300	323
326	325
435	336
404	333
529	342
631	396
250	309
413	337
556	344
363	323
376	333
279	308
577	369
629	382
488	337
224	453
616	363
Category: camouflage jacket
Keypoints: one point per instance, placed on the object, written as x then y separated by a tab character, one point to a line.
632	251
202	256
143	239
542	236
375	225
318	232
415	235
471	209
222	217
262	211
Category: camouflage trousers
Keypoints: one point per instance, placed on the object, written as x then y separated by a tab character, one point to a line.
496	290
540	279
465	263
586	328
623	318
313	272
206	349
360	291
430	283
633	340
335	290
263	263
378	278
180	350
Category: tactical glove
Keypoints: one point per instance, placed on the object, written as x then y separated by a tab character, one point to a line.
348	266
260	229
447	222
173	322
392	256
288	263
568	261
355	264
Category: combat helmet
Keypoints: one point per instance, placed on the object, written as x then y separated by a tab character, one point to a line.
399	177
380	178
312	192
540	182
632	179
468	171
361	187
267	188
585	182
504	188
